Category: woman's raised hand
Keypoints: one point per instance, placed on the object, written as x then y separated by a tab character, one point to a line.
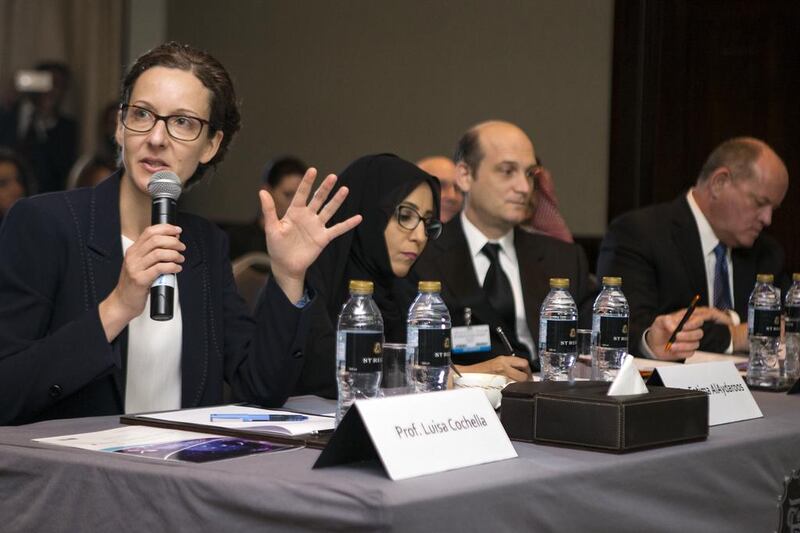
295	241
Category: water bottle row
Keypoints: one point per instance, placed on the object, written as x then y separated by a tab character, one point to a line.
764	331
360	337
609	340
360	341
558	331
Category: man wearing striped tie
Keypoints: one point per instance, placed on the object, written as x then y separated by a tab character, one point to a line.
709	242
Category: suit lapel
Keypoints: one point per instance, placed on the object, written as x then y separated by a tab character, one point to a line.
687	239
455	264
535	284
192	289
104	253
744	276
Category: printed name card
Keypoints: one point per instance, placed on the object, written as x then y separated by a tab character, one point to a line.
729	399
420	434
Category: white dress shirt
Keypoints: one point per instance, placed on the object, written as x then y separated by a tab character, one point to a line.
508	262
153	370
708	241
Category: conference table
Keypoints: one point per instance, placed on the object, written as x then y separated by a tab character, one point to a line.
734	481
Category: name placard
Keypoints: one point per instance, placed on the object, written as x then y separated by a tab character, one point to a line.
729	399
420	434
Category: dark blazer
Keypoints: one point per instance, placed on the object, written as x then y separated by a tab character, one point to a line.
61	255
657	252
540	258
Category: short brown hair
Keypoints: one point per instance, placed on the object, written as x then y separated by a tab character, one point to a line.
469	150
225	115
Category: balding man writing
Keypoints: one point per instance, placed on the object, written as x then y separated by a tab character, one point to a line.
709	242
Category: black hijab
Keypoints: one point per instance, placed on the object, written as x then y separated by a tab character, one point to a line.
377	183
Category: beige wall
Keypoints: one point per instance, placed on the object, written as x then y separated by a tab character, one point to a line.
330	81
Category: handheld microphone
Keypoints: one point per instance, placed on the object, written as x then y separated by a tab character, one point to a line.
165	188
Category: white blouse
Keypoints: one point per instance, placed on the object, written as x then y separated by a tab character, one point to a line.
153	380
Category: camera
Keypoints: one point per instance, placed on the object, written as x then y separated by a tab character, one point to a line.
33	81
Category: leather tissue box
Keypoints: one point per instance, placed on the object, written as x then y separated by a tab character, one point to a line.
581	414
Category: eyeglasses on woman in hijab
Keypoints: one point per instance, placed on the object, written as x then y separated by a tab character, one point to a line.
409	218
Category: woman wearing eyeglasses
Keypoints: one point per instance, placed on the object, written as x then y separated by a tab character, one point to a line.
76	337
400	208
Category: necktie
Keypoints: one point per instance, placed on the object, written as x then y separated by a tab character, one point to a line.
498	287
722	291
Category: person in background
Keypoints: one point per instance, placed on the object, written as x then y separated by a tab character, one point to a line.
708	241
88	171
76	267
280	178
400	208
15	180
444	169
488	264
106	146
37	129
545	216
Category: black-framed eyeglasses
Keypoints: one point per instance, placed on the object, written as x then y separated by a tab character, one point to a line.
180	127
409	218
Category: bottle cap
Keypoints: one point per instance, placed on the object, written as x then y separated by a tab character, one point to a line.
430	286
796	276
559	283
614	281
360	286
765	278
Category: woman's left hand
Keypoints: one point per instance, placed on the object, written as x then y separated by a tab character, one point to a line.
296	240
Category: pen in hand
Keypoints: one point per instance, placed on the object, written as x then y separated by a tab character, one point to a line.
503	337
686	316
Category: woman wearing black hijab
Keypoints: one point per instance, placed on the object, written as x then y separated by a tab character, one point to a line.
400	208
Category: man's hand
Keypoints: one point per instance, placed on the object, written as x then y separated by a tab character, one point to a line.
514	368
688	339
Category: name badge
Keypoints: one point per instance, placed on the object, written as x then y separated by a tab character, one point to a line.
471	339
729	399
418	434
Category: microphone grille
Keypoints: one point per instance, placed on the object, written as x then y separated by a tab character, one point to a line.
164	184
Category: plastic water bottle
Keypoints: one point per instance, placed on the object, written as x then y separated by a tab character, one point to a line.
558	325
359	348
764	329
609	330
791	365
428	336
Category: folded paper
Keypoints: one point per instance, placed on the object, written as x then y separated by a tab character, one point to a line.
628	380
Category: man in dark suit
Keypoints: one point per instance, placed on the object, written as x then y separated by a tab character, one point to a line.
707	242
495	165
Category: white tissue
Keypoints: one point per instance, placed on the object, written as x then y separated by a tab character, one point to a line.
628	380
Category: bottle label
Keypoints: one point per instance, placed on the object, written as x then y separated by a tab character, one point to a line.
363	352
562	336
433	347
766	323
793	319
614	332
